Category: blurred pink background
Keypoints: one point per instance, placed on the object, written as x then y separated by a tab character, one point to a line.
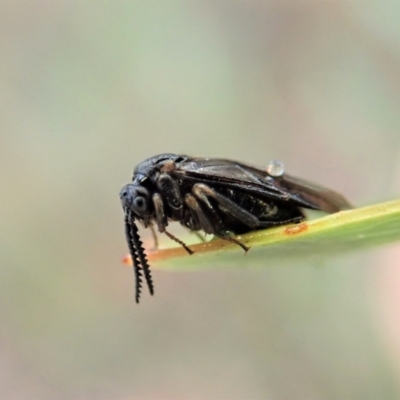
90	89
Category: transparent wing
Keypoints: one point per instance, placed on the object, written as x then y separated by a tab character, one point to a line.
256	181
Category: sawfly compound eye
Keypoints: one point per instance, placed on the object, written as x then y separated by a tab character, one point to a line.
139	203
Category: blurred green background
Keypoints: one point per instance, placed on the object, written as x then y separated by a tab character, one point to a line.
90	89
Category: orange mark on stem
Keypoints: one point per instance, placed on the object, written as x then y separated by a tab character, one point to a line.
295	229
127	260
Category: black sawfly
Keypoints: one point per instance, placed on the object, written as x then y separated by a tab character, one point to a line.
220	197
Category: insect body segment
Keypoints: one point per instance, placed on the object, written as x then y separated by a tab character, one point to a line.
220	197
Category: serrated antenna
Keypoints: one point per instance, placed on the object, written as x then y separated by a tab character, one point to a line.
129	223
142	257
